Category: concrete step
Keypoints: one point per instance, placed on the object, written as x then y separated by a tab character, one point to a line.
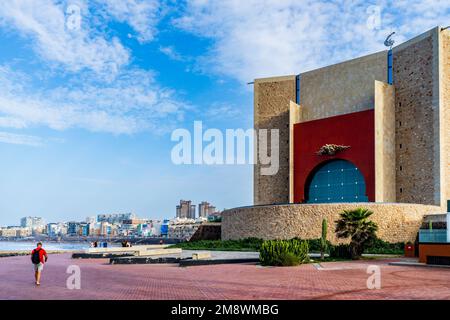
159	252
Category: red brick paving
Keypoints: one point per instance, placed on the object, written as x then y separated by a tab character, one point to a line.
99	280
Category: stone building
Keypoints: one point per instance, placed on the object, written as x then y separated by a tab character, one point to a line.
374	130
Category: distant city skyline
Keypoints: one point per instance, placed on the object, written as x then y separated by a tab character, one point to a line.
116	225
204	209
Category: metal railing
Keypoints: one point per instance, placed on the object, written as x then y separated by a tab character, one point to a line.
433	236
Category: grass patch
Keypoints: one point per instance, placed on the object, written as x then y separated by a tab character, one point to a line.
253	244
362	258
379	246
249	244
328	259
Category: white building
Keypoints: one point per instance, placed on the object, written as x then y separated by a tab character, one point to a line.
103	229
15	232
155	228
56	229
116	217
91	220
32	222
8	233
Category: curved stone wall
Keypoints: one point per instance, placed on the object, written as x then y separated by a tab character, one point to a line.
397	222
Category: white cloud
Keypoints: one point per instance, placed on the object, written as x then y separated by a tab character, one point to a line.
11	122
101	92
141	15
133	102
249	39
222	111
12	138
75	49
255	38
171	52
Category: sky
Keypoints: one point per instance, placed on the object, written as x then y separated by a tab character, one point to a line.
91	91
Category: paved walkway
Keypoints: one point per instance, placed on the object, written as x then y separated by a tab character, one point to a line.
100	280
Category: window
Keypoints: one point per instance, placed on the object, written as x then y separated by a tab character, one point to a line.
390	64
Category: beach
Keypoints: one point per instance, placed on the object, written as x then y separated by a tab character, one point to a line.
19	248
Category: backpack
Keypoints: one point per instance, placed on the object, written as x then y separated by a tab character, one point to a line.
35	258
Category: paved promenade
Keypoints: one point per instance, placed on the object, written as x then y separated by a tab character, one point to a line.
99	280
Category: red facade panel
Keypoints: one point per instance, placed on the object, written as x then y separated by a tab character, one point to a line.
356	130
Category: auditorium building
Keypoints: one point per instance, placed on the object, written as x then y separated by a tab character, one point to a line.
370	132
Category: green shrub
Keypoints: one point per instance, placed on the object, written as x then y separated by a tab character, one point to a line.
283	252
378	246
342	251
248	244
214	219
315	245
288	259
323	239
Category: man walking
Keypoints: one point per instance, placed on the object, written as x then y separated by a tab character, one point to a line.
39	258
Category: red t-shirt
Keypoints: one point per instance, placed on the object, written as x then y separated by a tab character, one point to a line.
42	254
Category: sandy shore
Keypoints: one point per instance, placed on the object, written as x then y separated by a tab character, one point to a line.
14	253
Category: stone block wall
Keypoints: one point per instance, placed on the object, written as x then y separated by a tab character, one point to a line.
445	113
272	98
341	88
207	231
417	120
385	189
396	222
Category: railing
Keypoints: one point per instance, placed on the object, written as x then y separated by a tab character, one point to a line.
433	236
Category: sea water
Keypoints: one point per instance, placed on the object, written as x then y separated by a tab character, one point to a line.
29	245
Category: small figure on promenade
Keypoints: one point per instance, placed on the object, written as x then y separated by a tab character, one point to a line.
39	258
126	244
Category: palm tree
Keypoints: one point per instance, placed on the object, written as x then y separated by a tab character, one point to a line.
355	224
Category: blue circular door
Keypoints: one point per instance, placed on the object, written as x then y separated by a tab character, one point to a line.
336	181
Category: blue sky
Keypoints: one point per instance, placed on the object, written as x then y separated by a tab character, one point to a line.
86	113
